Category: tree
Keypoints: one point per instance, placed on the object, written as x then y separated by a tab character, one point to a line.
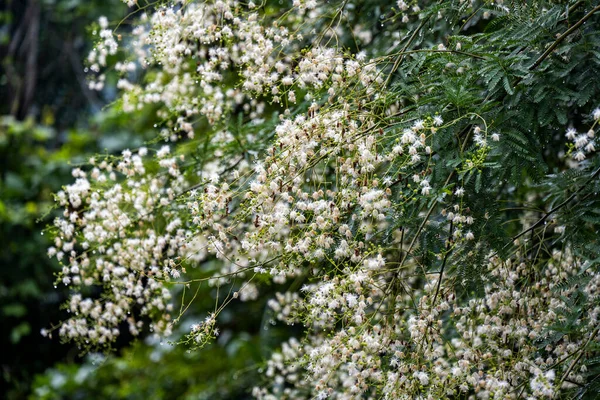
414	184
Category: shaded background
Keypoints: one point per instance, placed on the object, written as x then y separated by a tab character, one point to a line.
46	122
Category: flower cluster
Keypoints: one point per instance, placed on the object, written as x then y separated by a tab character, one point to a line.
583	144
495	346
95	244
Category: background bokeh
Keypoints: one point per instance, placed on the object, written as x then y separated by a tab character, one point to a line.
48	119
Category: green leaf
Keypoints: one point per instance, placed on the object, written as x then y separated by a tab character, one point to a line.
14	310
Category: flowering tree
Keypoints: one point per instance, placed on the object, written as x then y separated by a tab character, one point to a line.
418	181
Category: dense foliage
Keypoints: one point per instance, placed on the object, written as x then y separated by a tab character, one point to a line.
413	184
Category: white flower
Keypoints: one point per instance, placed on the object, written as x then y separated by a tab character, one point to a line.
581	141
590	147
103	22
422	377
419	124
579	156
163	152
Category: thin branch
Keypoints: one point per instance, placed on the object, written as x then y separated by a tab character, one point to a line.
573	7
399	59
575	361
423	223
200	184
558	207
563	37
448	250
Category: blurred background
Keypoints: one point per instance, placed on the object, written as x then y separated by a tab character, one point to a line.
49	122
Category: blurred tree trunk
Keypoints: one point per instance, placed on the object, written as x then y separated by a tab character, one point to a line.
20	57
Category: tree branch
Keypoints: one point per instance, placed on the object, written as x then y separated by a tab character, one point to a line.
558	207
448	246
563	37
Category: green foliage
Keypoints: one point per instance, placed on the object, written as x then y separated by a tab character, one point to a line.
157	372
